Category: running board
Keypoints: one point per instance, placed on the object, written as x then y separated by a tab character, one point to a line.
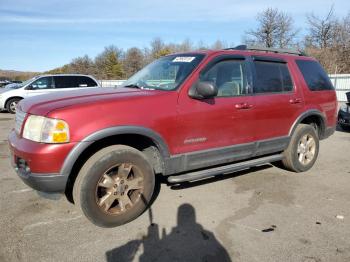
222	170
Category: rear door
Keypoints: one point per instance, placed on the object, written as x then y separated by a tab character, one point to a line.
73	82
277	99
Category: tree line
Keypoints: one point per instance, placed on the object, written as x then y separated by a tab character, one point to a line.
325	38
115	63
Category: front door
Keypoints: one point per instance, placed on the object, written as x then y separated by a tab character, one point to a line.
220	129
41	86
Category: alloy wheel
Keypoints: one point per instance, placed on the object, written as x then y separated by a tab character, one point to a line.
306	149
119	188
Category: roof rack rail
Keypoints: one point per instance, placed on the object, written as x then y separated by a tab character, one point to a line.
266	49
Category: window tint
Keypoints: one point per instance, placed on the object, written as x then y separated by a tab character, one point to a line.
42	83
228	76
272	77
315	77
73	81
64	81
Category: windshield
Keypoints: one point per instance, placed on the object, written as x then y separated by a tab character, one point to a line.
19	85
166	73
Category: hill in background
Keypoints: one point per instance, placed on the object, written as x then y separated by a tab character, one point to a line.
16	75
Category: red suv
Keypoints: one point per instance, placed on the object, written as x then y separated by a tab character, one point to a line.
185	116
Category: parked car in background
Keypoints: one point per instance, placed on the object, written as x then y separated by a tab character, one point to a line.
44	84
4	83
344	114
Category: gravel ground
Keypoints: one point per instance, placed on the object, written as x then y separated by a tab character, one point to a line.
261	214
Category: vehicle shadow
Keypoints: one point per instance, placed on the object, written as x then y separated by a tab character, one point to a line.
187	241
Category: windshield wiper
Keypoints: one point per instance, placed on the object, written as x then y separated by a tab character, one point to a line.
134	86
140	87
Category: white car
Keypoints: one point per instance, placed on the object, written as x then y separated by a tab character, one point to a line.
39	85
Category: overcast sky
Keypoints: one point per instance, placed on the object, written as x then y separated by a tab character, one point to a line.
38	35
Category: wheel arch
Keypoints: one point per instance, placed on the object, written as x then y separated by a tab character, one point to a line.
12	97
141	138
312	117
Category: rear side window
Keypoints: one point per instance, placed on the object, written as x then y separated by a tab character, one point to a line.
315	77
272	77
73	81
64	81
84	81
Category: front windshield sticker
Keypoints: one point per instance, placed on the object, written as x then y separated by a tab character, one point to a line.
184	59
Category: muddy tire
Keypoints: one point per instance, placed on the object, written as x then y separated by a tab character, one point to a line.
114	186
302	151
11	105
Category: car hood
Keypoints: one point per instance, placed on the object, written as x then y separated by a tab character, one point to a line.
43	104
5	89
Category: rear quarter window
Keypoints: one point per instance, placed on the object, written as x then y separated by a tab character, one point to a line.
84	81
315	76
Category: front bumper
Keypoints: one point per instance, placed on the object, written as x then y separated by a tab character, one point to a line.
38	164
54	183
344	118
2	104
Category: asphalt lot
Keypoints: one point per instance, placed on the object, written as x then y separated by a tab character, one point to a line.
263	214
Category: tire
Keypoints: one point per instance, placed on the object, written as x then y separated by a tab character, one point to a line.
129	169
301	154
11	105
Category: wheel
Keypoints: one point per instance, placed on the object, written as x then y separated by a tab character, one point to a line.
11	105
114	186
302	150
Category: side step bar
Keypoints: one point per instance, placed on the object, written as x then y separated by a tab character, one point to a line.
222	170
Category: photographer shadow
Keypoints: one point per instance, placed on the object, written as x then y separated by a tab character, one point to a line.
187	241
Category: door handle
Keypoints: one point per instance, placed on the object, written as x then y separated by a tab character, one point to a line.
243	106
295	100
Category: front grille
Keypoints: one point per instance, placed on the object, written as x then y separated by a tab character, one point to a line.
20	116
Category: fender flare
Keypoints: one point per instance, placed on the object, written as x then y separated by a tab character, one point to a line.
80	147
12	97
311	112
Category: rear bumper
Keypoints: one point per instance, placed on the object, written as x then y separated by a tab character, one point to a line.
329	131
39	165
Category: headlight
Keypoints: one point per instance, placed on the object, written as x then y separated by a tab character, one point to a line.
344	108
46	130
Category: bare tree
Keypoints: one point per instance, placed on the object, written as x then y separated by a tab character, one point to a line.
218	44
342	32
285	31
275	29
321	30
82	65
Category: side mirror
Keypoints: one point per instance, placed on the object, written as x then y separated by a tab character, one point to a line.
30	87
203	90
